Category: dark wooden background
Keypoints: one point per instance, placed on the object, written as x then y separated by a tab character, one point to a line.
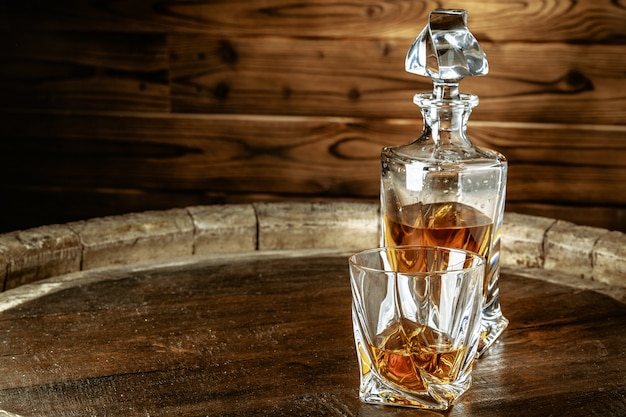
108	107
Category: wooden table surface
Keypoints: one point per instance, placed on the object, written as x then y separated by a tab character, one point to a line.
269	334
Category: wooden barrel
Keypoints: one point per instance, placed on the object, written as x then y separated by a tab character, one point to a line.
244	310
541	246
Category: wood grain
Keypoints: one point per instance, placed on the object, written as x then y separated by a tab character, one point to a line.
585	21
366	78
307	155
545	245
85	71
113	107
271	336
201	160
301	76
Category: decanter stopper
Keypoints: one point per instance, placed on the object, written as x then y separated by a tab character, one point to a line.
446	51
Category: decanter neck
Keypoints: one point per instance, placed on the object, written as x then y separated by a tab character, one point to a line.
445	119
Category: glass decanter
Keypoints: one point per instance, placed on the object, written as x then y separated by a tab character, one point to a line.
440	189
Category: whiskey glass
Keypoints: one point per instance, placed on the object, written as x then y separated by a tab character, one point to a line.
416	314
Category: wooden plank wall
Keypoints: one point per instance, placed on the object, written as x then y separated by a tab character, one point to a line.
108	107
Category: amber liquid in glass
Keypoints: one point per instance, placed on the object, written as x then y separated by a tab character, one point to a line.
406	353
450	224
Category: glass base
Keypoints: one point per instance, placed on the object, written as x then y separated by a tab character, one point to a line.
375	390
492	325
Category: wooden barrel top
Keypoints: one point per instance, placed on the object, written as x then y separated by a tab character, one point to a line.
265	330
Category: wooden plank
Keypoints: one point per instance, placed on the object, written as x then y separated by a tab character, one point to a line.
527	241
574	83
313	156
134	237
569	248
350	226
224	228
187	160
584	21
298	76
84	71
210	153
550	247
583	184
366	78
567	145
607	217
523	238
39	253
609	259
583	252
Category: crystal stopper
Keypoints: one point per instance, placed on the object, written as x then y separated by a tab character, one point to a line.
446	51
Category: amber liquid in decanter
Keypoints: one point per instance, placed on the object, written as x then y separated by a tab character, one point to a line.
449	224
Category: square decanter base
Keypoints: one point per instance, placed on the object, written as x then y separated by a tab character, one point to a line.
491	329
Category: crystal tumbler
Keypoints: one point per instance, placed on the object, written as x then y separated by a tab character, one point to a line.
416	313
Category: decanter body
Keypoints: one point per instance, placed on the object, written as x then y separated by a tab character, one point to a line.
440	189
